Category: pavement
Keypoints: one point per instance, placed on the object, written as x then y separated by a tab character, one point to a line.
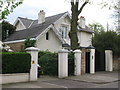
98	77
97	80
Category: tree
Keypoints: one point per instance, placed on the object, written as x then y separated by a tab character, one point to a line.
75	13
96	27
7	6
103	40
7	29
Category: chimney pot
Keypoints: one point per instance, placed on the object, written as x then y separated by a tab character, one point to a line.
41	17
81	22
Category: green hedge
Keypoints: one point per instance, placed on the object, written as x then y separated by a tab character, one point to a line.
49	63
42	53
15	62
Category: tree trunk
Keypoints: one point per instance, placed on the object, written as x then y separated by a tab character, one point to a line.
73	31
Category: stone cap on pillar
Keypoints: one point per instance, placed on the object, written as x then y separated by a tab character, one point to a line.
63	51
108	51
32	49
90	47
77	51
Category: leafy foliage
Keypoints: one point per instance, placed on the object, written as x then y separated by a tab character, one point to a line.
104	40
29	43
7	7
7	28
13	62
49	63
96	27
42	53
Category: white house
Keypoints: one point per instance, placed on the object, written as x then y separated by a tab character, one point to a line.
50	33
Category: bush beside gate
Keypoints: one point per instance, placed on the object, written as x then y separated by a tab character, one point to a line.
49	63
13	62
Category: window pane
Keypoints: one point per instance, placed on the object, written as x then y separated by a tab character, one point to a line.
64	31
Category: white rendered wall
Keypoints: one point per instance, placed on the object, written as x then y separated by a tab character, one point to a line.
92	61
64	21
53	44
19	26
34	62
109	60
84	39
77	61
62	63
14	78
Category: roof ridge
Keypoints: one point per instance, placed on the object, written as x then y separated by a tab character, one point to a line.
45	17
26	18
56	14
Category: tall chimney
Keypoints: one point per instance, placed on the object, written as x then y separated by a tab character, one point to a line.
41	17
82	22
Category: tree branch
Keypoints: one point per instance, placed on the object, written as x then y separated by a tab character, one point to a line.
81	8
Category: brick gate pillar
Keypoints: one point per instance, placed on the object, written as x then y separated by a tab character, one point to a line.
34	61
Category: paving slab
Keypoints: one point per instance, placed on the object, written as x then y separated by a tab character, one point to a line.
98	77
40	83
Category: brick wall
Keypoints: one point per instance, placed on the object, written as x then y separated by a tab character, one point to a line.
83	61
16	47
116	64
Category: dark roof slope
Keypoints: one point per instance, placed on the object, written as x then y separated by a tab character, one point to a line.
34	30
86	29
26	21
48	19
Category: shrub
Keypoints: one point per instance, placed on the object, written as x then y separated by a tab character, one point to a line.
42	53
15	62
49	63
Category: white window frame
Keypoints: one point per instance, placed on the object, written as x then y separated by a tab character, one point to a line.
64	32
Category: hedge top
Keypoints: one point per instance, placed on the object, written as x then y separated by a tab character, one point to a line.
13	53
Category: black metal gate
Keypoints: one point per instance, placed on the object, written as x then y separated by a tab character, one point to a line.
87	62
99	61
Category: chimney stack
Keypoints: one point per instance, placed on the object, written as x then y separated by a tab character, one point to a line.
41	17
82	22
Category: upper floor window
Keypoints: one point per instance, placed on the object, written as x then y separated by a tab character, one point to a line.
47	36
64	31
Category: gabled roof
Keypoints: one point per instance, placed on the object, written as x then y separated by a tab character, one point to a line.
35	29
26	22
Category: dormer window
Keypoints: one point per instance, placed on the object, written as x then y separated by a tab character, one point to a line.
64	31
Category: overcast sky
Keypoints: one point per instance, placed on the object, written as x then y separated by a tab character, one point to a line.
30	9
